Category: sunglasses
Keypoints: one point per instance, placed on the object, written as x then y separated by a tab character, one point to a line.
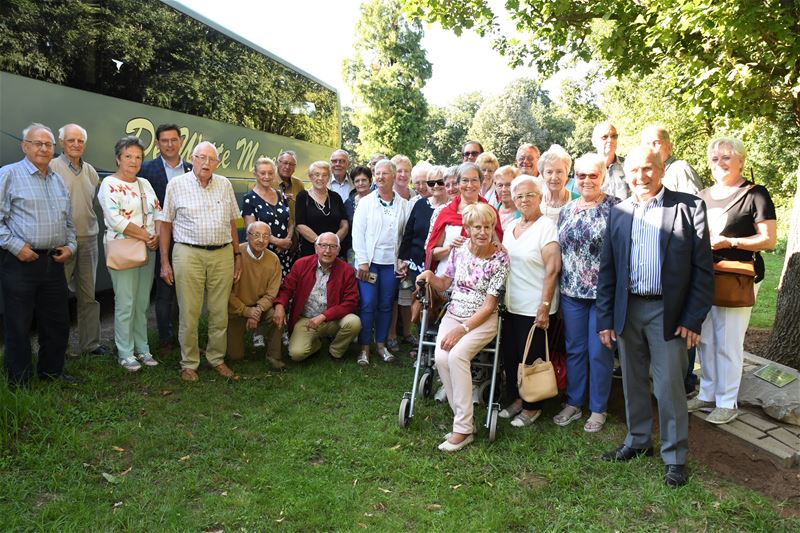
473	153
434	183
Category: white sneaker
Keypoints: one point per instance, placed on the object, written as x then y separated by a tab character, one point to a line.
258	341
130	364
147	359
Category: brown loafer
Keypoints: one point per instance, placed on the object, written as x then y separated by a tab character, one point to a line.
225	371
187	374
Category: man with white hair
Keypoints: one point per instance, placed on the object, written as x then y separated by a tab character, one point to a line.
250	303
81	270
320	296
37	236
200	214
340	181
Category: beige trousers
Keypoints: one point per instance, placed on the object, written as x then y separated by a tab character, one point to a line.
454	367
196	269
304	342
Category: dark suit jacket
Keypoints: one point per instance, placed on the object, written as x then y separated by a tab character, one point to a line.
153	171
687	272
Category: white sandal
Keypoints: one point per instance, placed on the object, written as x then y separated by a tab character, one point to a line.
595	423
567	415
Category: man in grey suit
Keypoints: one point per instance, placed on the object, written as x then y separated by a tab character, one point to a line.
654	290
158	172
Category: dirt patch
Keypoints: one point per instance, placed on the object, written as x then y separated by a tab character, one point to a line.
731	458
756	339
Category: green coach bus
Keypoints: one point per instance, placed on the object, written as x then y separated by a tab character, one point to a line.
122	67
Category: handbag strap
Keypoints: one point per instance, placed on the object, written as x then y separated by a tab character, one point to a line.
144	210
528	344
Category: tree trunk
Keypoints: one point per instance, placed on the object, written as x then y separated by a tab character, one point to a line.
784	343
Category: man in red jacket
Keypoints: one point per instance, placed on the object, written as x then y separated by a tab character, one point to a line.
324	298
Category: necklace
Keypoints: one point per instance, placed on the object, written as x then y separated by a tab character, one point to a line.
556	202
387	206
322	206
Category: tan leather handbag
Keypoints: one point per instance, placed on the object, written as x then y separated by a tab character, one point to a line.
536	381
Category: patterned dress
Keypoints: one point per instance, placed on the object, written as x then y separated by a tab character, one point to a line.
276	217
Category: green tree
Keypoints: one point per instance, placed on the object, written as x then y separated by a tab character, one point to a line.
521	113
386	75
446	129
350	132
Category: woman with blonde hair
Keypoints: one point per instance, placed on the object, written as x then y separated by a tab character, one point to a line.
318	211
476	271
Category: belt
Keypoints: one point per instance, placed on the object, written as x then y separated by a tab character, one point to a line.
42	251
648	296
206	247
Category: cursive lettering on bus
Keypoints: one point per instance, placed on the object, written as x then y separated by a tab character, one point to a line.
139	125
246	148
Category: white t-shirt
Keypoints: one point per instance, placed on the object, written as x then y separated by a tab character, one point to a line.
526	274
450	234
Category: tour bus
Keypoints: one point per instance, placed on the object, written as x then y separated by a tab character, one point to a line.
122	67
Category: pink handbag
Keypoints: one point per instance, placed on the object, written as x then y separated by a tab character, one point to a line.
122	254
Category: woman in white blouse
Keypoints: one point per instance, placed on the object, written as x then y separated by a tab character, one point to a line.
378	226
122	196
531	295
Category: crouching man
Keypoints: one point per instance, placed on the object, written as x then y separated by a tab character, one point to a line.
250	304
323	294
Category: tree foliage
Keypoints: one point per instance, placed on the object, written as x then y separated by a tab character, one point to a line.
446	129
168	60
386	74
521	113
725	57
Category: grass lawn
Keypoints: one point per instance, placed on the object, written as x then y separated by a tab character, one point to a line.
764	311
318	448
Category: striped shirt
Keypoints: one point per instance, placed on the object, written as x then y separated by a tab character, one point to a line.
646	245
200	216
34	209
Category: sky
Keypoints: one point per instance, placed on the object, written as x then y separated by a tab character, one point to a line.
317	36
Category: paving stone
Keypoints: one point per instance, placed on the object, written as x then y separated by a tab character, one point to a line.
789	439
757	422
782	452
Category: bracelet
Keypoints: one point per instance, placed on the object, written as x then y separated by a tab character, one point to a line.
545	303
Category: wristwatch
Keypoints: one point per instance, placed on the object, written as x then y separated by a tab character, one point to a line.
466	328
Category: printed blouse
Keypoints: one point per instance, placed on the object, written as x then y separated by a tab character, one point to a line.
474	279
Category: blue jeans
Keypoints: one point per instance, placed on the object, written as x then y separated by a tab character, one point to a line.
376	304
587	358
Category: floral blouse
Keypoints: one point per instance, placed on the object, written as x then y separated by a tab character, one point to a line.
474	279
122	205
581	233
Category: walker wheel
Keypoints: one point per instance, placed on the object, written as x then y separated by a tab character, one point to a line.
404	415
425	385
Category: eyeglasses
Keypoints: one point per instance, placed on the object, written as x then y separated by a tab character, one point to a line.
334	161
526	196
175	140
473	153
614	136
582	176
75	141
259	236
529	159
206	159
501	185
39	144
326	246
434	183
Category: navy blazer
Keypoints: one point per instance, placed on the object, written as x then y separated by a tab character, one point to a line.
153	171
687	271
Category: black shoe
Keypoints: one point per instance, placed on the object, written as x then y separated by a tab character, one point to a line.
675	475
66	378
617	373
624	453
100	350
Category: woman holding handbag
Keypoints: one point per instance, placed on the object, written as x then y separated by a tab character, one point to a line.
741	221
476	271
129	209
531	295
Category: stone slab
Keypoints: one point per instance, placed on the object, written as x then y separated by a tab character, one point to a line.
789	439
757	422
